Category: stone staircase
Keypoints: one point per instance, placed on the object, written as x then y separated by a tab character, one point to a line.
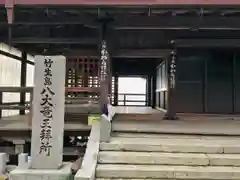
158	156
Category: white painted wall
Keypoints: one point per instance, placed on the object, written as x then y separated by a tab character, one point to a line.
10	74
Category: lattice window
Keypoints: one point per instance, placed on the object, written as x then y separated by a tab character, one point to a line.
82	72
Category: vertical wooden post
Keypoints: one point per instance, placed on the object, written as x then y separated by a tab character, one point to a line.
30	109
205	84
124	99
116	89
234	81
104	63
171	64
23	81
1	102
77	72
153	82
149	91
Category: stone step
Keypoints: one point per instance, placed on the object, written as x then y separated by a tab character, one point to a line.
107	171
215	146
124	179
172	136
156	158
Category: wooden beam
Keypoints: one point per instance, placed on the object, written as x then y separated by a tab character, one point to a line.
137	22
16	89
43	40
87	21
176	22
54	50
123	3
14	57
140	53
93	53
30	89
206	43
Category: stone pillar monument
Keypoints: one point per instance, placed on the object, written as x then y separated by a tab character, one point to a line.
47	122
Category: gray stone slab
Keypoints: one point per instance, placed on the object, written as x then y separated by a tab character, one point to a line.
173	136
211	127
167	172
163	145
134	171
224	159
64	173
3	162
105	128
47	141
152	158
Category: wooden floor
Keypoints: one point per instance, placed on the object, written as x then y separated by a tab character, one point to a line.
136	110
19	126
152	121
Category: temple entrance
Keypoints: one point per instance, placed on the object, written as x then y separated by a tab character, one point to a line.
132	91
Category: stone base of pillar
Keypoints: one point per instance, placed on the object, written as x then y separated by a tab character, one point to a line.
167	117
64	173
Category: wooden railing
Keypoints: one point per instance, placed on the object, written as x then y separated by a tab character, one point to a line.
126	100
161	98
14	105
27	104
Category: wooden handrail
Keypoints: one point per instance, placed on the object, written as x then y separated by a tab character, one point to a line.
16	89
83	89
68	100
68	89
129	94
14	107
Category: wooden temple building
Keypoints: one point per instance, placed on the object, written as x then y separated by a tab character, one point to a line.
187	50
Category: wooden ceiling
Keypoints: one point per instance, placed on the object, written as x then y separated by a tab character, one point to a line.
78	29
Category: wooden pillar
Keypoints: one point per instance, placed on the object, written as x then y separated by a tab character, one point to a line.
1	101
205	86
234	81
23	81
153	84
149	91
104	70
115	89
171	67
109	74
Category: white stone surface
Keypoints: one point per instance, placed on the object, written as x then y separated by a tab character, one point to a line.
165	145
54	160
105	128
23	162
89	163
224	159
64	173
167	172
174	136
152	158
124	179
3	162
205	127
